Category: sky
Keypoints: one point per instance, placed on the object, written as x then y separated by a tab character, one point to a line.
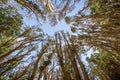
61	26
50	30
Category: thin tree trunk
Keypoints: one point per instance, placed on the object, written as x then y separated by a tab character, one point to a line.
37	61
72	57
66	76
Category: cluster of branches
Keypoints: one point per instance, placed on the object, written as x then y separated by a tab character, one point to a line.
59	57
100	30
53	10
18	48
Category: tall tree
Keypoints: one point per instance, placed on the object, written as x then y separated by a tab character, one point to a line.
53	10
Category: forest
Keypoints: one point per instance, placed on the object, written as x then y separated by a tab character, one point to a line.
89	51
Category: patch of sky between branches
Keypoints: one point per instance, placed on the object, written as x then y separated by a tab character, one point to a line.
61	26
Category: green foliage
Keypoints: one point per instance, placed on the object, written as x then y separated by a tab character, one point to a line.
101	26
105	62
10	25
60	56
10	22
3	1
99	6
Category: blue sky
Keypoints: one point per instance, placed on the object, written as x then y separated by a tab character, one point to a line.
50	30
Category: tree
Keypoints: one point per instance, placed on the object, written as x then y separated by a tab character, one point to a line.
106	65
96	24
39	56
10	25
100	29
10	21
53	10
13	58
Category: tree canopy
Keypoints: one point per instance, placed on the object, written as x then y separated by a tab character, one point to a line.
91	53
